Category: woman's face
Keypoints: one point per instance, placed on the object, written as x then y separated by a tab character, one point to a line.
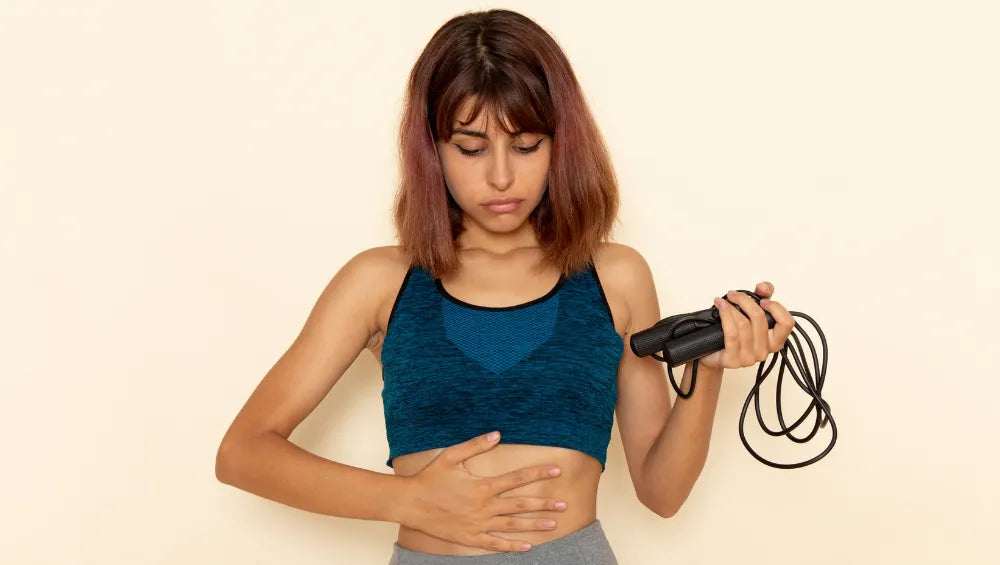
484	164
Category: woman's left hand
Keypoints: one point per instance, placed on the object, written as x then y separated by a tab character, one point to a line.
748	339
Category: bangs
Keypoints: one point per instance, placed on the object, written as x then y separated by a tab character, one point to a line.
514	102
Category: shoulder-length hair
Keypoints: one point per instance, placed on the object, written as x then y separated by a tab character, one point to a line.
511	66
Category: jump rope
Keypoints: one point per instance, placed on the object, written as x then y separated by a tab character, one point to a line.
684	337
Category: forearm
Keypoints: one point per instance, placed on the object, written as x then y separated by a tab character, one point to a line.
678	454
272	467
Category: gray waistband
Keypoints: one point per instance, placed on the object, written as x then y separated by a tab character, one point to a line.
586	546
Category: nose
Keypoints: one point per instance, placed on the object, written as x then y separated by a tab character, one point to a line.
500	173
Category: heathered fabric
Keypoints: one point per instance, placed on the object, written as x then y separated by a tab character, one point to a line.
542	372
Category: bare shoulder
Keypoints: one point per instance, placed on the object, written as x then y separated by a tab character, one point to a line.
374	272
387	268
624	274
383	262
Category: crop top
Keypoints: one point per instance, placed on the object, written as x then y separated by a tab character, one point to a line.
542	373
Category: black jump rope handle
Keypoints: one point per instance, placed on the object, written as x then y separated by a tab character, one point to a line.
685	337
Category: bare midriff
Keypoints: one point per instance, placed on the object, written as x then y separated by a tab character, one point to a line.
577	485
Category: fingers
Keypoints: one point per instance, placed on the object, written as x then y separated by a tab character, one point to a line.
486	541
516	524
730	330
461	451
740	354
764	289
753	328
784	323
518	477
519	504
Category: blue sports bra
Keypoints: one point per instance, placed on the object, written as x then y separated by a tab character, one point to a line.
543	372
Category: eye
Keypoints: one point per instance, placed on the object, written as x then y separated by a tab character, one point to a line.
475	152
531	149
469	152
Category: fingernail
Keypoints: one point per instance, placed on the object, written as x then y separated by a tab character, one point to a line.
560	505
548	523
554	471
492	436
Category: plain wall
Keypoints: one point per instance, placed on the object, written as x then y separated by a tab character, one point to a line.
179	181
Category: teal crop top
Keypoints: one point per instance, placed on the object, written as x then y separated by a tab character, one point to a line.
543	372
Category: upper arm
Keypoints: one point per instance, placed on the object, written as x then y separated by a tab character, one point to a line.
340	325
643	404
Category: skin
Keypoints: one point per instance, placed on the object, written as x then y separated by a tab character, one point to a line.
502	167
500	267
500	257
664	446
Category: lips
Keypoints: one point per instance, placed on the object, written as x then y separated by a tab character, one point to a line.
502	201
504	205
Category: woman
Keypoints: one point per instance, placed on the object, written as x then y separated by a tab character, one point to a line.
502	309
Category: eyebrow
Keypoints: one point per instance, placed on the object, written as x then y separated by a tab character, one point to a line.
475	133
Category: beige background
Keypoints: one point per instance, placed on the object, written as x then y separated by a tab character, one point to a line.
179	180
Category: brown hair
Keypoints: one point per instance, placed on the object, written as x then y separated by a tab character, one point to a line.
510	65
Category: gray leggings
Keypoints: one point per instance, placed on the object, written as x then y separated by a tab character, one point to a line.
586	546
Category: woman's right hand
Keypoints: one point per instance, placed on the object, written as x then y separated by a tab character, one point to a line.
448	502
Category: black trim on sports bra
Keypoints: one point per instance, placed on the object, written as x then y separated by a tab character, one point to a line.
549	294
604	298
399	294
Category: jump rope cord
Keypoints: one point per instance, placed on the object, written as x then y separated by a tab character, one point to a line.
814	387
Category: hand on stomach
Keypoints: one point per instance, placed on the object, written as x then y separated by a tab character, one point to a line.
577	485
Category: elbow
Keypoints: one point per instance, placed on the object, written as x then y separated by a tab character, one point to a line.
224	463
660	506
664	511
235	454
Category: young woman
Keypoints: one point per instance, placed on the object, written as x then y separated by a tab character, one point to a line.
503	309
